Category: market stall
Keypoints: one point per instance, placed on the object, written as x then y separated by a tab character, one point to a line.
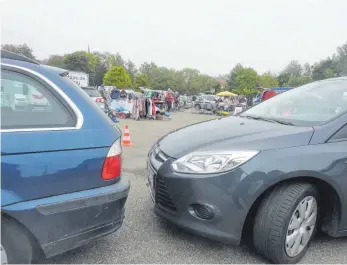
148	104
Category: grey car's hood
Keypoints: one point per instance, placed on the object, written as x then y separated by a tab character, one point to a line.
233	133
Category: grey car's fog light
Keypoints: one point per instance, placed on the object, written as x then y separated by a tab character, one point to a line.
201	211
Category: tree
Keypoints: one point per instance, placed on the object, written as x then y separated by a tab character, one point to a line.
307	71
217	88
295	81
55	60
141	80
118	77
179	82
247	81
204	83
283	78
22	49
188	75
80	61
341	60
100	68
163	78
233	76
119	60
268	80
131	69
293	68
325	69
148	69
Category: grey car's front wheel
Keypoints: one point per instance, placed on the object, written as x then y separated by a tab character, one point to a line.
286	222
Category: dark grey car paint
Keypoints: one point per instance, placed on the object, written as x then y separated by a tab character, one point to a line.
286	152
234	133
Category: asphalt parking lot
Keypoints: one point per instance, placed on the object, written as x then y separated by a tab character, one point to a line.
145	238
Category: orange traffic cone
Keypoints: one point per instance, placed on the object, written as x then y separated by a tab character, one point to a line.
126	137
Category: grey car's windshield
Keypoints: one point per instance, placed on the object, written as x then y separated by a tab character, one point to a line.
308	105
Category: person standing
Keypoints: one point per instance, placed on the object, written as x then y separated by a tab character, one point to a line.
169	99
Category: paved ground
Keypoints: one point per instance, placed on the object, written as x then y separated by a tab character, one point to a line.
145	238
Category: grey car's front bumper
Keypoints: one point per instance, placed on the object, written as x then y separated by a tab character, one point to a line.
177	196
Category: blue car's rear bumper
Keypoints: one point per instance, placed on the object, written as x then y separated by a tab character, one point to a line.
64	222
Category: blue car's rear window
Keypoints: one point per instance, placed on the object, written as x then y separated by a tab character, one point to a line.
26	103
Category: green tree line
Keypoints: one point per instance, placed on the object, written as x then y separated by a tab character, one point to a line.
112	69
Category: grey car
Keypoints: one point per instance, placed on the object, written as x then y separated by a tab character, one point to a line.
276	173
206	102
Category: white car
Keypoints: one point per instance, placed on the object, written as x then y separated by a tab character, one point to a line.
37	101
95	96
19	102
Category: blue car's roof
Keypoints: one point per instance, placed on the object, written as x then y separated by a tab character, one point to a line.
40	68
92	119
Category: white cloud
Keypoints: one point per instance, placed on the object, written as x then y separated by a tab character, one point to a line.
211	35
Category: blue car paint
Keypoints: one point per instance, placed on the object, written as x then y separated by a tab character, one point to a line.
69	222
49	177
62	167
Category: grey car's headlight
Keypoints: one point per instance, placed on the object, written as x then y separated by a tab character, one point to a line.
212	162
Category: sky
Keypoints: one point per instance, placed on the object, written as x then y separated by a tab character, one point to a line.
209	35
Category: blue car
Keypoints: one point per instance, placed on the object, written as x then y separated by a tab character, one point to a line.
61	164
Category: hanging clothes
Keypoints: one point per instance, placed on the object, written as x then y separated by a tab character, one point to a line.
153	108
149	113
143	104
115	94
136	106
147	108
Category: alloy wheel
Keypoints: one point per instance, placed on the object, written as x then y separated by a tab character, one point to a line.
3	255
301	226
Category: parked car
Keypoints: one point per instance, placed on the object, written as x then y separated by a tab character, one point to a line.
5	100
95	95
19	102
206	102
275	173
269	93
36	101
186	102
61	170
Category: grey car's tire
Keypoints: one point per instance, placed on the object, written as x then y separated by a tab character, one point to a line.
277	215
15	242
197	107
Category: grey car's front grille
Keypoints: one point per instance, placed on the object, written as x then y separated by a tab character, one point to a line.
163	197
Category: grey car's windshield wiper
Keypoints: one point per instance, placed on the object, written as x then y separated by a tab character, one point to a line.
256	118
267	119
283	122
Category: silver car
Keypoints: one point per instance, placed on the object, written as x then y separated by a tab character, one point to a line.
206	102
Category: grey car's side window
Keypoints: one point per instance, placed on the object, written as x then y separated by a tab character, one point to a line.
340	134
28	104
